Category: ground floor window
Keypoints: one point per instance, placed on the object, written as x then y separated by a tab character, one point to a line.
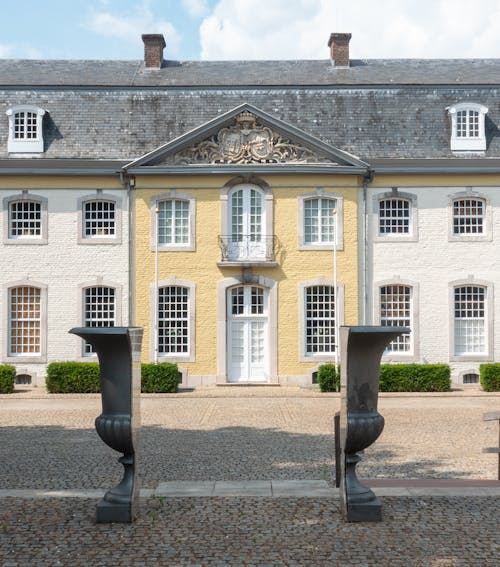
24	321
173	320
320	316
99	310
470	320
396	311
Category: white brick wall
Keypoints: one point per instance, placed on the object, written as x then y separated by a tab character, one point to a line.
63	266
433	262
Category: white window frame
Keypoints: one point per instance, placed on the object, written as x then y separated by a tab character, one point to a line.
470	141
337	202
304	355
24	357
83	238
25	197
25	144
487	319
87	350
412	234
190	355
486	235
173	195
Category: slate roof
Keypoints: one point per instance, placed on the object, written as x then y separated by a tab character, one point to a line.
377	109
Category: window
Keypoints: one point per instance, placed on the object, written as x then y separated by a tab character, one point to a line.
394	216
470	330
247	239
467	126
173	320
99	219
99	310
319	320
471	378
25	321
396	311
173	222
25	129
25	219
319	221
468	216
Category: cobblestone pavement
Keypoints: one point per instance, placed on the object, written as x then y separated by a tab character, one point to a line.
243	434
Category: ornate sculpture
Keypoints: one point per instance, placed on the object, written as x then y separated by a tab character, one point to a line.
361	349
246	141
118	350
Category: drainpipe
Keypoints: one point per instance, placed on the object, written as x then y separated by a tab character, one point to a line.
364	237
129	183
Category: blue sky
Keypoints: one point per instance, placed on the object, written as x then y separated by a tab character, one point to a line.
249	29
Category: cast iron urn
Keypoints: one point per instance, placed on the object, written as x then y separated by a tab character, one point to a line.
118	350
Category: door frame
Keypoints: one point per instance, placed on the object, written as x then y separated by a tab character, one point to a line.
272	322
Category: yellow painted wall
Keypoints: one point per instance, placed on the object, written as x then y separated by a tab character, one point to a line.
201	267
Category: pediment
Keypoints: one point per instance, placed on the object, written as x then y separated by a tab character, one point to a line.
242	137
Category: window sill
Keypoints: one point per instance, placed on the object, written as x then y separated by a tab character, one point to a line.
26	241
471	358
327	247
26	359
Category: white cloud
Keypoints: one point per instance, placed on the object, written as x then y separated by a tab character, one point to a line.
195	8
19	52
130	27
280	29
6	50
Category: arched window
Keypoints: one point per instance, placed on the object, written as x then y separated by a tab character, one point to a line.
394	216
25	320
25	129
396	310
470	318
469	216
467	126
99	219
99	310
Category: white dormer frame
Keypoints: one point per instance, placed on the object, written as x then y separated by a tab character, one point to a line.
27	140
469	135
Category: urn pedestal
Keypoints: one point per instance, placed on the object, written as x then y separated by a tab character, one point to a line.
118	350
361	349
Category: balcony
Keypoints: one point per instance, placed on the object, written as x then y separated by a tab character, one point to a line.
247	250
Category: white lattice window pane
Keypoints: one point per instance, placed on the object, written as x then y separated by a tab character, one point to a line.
25	321
462	124
470	320
468	216
255	215
257	338
173	222
25	219
173	320
311	220
99	219
238	342
319	320
327	219
237	216
394	216
257	301
238	300
99	310
395	311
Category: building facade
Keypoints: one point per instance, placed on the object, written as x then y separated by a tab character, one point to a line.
241	211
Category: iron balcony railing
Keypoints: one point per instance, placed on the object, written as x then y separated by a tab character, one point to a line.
247	248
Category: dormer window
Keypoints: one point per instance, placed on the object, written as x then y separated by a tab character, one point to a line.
467	127
25	129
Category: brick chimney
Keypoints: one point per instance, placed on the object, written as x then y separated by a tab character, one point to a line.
154	43
339	49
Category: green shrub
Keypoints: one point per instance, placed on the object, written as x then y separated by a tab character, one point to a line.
159	378
73	377
328	378
489	377
83	378
415	378
7	378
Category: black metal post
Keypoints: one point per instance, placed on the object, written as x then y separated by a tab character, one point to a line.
118	350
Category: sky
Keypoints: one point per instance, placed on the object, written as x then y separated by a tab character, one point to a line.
249	29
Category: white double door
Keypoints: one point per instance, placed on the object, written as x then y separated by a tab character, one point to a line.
247	334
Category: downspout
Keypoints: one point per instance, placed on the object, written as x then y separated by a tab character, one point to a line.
129	183
368	178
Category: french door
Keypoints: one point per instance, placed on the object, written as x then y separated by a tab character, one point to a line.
246	224
247	328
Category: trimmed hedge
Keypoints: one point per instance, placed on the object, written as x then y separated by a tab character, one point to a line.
83	378
489	377
328	378
415	378
159	378
7	378
73	378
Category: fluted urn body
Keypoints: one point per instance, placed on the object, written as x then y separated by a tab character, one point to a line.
361	350
118	350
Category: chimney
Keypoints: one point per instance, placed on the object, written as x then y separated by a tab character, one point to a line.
339	49
154	43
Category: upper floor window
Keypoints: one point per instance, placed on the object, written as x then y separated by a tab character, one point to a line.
394	216
25	219
173	222
320	221
396	310
25	129
99	220
99	310
469	216
467	126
